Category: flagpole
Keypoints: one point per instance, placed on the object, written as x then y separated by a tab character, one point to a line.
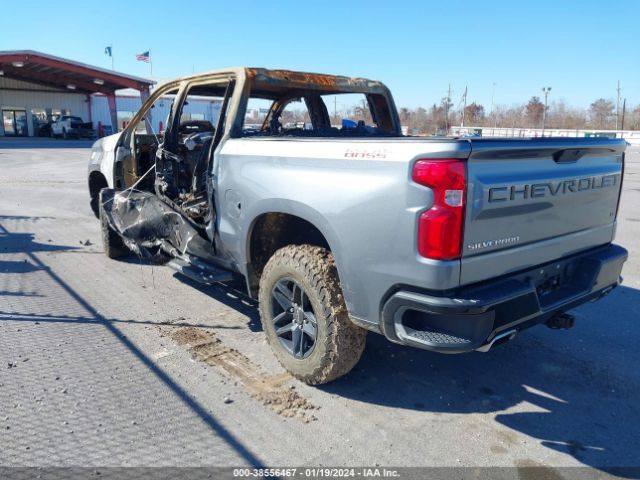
150	64
111	50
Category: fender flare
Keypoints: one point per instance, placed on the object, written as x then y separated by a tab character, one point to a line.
297	209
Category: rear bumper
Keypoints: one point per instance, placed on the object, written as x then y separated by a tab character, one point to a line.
474	316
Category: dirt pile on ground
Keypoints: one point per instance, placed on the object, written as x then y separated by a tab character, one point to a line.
269	390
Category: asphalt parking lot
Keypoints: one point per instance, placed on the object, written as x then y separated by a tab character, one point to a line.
118	363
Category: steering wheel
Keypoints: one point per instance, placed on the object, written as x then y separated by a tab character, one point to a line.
195	139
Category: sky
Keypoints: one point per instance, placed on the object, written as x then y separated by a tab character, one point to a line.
505	50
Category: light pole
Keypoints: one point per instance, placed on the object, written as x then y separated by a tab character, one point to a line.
617	104
546	91
493	94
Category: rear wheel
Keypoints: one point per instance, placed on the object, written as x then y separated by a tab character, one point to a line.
112	243
304	316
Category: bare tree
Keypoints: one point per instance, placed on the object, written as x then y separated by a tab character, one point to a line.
634	119
535	111
421	120
559	115
405	116
600	111
474	113
509	116
446	105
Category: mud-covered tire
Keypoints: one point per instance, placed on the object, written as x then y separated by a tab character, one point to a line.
112	244
339	343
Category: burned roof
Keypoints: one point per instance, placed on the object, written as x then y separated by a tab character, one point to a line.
320	81
267	79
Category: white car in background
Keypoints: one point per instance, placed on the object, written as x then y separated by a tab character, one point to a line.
67	126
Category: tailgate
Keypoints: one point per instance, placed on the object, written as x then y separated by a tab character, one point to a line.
537	200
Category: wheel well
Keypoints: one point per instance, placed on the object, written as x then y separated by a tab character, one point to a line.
97	182
272	231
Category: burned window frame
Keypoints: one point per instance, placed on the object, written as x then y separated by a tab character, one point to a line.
309	87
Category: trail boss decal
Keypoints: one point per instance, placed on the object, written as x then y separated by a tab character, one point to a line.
369	154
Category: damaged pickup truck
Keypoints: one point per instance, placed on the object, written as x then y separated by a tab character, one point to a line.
339	224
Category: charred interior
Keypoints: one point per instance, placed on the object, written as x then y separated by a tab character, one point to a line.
169	173
366	107
369	117
182	155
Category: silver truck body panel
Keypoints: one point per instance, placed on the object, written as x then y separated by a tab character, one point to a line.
366	209
542	209
103	157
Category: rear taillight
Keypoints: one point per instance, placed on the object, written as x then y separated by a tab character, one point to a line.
440	228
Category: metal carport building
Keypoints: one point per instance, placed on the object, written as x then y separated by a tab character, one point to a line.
35	86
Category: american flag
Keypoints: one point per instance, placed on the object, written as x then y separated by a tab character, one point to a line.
143	57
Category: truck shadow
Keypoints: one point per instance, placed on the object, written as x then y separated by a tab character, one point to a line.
12	143
576	392
25	243
231	295
117	346
11	243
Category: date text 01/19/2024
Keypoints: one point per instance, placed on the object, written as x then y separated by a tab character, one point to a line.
319	472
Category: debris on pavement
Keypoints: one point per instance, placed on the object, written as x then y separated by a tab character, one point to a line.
269	390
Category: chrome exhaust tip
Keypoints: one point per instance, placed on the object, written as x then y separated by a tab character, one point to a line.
501	338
